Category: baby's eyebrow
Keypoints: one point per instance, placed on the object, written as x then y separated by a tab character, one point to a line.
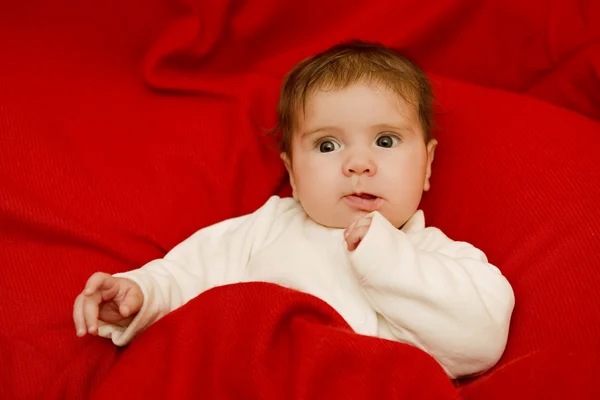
394	127
319	129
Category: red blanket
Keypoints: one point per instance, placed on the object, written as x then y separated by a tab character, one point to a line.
261	342
126	126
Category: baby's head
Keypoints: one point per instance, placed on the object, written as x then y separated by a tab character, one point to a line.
355	124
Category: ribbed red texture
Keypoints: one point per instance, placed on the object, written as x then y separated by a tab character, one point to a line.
126	126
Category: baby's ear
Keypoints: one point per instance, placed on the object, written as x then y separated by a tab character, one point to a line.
430	155
288	166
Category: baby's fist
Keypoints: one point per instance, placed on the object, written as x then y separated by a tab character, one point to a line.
357	231
107	299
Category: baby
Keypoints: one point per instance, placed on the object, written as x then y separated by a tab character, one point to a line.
355	124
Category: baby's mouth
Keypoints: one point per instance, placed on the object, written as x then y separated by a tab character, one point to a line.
363	201
365	196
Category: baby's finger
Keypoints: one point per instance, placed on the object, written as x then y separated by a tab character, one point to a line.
109	289
131	303
356	237
352	244
352	241
350	228
90	311
78	316
359	232
366	221
97	281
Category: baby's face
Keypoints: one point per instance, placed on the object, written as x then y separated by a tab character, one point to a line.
358	150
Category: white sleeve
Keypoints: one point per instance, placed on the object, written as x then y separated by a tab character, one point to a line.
436	294
213	256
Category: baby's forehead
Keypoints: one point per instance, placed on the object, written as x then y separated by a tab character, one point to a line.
401	97
371	101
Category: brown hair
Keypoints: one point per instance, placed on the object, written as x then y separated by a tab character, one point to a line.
345	64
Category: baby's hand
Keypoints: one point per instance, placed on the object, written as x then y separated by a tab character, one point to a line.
108	299
357	231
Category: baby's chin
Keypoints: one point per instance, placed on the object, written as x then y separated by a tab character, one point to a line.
333	222
343	220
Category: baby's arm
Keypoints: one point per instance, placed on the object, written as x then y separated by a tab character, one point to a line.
211	257
439	295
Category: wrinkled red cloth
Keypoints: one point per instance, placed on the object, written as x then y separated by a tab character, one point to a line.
127	126
296	348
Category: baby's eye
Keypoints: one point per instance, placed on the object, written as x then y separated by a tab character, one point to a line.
387	141
327	146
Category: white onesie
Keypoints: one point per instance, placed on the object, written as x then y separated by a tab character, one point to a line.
413	285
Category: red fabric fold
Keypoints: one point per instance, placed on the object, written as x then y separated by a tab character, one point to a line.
126	126
465	40
261	341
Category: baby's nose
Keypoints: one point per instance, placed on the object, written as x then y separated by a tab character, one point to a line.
359	165
360	169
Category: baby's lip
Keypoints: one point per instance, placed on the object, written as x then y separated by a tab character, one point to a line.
363	201
363	195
